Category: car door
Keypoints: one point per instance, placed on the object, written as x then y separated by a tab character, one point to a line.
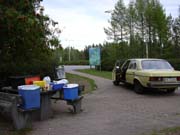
131	72
116	73
115	69
124	70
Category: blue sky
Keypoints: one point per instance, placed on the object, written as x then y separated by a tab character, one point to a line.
82	21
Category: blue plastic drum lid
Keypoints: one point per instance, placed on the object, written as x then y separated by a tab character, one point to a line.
70	86
28	87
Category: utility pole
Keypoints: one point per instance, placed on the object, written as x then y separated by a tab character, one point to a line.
69	53
69	49
147	51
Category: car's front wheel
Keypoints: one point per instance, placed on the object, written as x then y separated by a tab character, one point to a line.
138	88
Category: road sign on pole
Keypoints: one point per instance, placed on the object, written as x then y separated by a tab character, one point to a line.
95	56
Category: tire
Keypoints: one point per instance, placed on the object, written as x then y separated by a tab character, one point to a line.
116	83
138	88
171	90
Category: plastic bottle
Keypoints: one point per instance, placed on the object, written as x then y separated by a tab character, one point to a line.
47	79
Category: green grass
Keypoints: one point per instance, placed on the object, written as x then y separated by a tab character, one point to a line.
103	74
7	129
167	131
87	82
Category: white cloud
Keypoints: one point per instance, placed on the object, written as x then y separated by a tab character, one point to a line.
79	28
82	21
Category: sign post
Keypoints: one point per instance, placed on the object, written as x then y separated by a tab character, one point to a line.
95	57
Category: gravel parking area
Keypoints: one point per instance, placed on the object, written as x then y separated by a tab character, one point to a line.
113	110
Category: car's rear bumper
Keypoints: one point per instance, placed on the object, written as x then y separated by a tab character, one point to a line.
163	85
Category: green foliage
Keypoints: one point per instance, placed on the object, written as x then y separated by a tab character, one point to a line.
26	39
117	31
140	24
79	62
175	63
72	56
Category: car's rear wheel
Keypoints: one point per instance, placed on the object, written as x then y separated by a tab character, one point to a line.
172	90
138	88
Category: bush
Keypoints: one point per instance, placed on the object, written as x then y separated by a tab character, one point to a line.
107	65
175	63
80	62
43	66
25	48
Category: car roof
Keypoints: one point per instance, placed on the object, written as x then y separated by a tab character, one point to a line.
140	59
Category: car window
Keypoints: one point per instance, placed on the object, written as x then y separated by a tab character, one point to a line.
132	65
155	64
119	63
125	65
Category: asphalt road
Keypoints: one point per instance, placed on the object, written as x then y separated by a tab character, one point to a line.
71	68
113	110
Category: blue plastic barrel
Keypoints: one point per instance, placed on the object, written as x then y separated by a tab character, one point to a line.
30	95
70	91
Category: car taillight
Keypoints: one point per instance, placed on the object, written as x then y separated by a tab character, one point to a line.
178	78
155	79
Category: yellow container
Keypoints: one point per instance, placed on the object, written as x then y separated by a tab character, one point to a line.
40	83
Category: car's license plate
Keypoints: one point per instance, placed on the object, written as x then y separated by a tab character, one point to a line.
170	79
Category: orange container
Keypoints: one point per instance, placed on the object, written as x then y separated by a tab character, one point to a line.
30	80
